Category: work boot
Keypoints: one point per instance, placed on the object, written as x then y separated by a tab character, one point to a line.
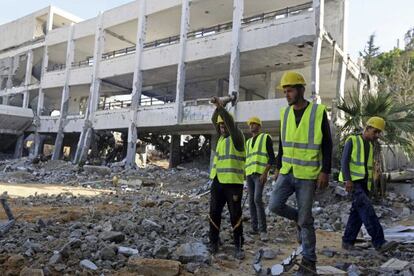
264	237
307	268
239	253
213	247
348	246
387	246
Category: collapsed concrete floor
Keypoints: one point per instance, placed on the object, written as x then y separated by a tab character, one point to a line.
153	221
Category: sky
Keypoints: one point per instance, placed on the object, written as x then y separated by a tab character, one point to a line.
388	19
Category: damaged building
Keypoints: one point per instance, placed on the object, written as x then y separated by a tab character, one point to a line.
152	66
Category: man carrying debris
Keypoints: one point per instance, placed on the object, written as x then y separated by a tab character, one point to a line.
356	171
259	159
304	163
227	174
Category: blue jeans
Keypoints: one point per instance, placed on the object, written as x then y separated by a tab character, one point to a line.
304	190
362	212
257	210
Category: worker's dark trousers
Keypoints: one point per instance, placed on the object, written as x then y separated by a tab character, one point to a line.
362	212
220	195
257	209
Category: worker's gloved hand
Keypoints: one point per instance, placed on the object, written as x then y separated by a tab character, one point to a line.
323	180
349	186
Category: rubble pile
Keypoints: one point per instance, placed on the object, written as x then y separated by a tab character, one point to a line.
154	220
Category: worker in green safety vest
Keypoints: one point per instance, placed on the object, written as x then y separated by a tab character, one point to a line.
227	174
356	171
260	157
304	163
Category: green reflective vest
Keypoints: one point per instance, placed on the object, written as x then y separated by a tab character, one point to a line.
302	144
256	156
228	162
357	163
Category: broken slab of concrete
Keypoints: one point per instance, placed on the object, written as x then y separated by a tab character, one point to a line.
394	264
330	270
154	267
99	170
400	233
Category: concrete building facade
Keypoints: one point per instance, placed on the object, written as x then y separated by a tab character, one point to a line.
152	66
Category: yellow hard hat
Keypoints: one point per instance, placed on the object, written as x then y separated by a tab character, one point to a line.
254	120
377	122
219	119
291	78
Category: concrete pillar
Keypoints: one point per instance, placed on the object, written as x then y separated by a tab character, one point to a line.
175	154
185	26
342	66
73	147
41	95
234	77
137	85
64	105
9	82
27	78
38	146
18	150
318	7
271	83
86	134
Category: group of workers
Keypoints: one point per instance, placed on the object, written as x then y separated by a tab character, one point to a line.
303	164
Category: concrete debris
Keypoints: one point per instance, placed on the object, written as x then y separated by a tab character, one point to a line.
153	267
193	253
127	251
88	265
98	170
394	265
330	270
153	221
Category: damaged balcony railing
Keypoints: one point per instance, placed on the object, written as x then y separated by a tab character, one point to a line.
203	32
118	104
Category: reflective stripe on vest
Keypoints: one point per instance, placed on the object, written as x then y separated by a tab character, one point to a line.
256	156
302	144
357	162
228	163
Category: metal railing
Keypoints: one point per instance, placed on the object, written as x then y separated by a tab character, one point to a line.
203	32
117	104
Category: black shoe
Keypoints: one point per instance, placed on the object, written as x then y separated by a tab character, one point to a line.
239	253
213	247
387	246
307	268
348	246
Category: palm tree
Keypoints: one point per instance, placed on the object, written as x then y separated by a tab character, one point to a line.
399	130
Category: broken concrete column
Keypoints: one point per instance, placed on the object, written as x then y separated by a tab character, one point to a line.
137	86
234	77
18	150
181	70
87	130
317	48
175	155
70	55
